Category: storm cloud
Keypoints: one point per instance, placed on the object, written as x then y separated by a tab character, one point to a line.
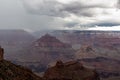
57	9
59	14
45	7
76	11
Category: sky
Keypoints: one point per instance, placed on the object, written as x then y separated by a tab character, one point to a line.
35	15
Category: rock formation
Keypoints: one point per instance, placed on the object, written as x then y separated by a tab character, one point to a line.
72	70
47	50
50	41
106	67
10	71
1	53
107	43
86	51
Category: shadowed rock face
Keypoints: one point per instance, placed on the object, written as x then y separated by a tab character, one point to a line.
10	71
72	70
1	54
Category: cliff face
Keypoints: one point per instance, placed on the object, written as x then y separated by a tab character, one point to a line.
80	37
70	71
10	71
50	41
86	51
48	49
1	53
106	67
106	43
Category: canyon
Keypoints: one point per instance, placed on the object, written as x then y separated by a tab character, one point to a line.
95	49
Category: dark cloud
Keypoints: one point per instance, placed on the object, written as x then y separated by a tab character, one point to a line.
105	24
57	9
118	4
71	24
82	9
108	24
46	7
52	14
79	8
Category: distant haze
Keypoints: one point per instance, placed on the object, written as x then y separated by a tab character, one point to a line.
32	15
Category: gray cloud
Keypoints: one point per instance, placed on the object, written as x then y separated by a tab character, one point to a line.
103	23
118	4
14	16
52	14
57	9
107	24
82	9
71	24
46	7
79	8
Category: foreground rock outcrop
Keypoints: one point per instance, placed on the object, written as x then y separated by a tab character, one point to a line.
1	53
70	71
10	71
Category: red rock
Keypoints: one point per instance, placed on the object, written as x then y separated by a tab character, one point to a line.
50	41
72	71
